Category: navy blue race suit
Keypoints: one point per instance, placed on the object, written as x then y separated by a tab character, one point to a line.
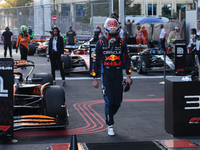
109	60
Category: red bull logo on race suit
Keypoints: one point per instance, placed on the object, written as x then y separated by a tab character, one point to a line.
112	57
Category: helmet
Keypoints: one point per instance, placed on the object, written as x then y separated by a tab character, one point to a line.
143	26
29	29
98	26
111	29
23	29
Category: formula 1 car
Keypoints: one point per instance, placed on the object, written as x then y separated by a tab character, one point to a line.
152	59
37	103
77	60
42	48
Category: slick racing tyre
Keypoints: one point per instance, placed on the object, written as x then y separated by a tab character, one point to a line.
141	66
54	101
32	49
67	62
46	77
143	63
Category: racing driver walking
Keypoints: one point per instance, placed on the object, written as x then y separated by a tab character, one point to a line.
110	56
22	41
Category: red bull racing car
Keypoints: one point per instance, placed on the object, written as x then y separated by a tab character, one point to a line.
37	103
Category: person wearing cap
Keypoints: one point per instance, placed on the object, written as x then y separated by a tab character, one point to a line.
144	35
7	37
174	35
162	37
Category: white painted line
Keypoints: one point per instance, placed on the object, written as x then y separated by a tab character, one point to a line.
136	77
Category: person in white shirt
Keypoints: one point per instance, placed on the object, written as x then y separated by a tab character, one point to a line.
55	54
197	48
121	33
192	43
162	37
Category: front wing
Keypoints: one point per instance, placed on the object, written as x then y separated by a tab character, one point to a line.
38	121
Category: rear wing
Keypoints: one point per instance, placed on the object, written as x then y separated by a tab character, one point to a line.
24	63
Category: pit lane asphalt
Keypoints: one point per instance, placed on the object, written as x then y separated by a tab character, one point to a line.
140	118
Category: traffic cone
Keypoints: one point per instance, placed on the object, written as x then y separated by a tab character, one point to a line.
73	144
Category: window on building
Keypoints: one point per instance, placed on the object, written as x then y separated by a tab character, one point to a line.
136	9
166	10
181	7
150	9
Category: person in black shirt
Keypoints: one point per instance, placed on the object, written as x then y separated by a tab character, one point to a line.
51	32
71	37
7	41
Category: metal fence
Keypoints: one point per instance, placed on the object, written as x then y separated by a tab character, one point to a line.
83	17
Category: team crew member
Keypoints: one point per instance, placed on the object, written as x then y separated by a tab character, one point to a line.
97	31
110	55
7	35
22	41
197	48
55	54
138	36
125	34
174	35
192	43
30	32
51	32
144	35
71	37
162	37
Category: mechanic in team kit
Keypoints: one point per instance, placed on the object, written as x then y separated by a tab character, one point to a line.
144	35
174	35
22	41
7	37
97	31
138	36
71	37
55	54
110	55
30	32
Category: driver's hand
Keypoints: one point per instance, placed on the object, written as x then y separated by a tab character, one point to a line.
95	83
128	80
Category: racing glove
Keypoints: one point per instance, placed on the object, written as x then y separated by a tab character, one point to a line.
127	87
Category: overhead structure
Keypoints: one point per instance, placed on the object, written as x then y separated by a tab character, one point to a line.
121	12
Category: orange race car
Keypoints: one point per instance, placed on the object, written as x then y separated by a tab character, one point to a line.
34	100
